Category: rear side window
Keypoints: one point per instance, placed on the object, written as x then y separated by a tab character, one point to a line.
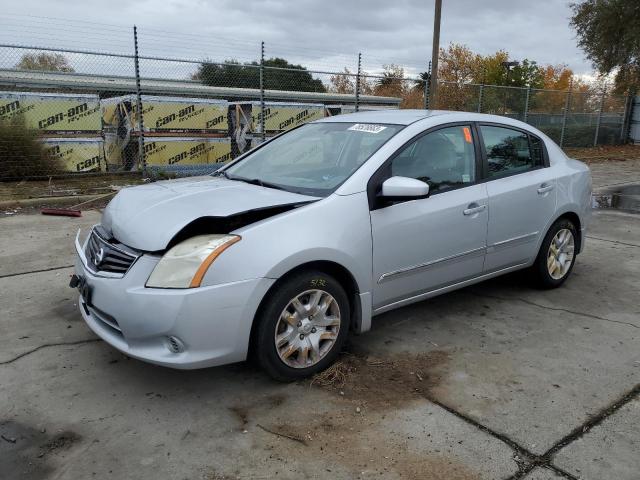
509	151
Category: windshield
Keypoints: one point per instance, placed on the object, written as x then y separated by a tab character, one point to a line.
313	159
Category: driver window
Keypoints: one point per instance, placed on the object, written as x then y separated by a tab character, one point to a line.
444	159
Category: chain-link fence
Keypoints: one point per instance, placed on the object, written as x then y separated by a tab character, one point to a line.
71	110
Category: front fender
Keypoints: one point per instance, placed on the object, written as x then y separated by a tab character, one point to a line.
335	229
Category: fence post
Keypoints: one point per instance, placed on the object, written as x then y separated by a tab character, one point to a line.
262	125
480	93
526	104
141	156
358	82
567	103
426	87
595	137
626	118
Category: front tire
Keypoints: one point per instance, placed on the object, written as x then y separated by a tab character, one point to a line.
557	255
303	326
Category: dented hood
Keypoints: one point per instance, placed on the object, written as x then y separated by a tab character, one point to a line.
147	217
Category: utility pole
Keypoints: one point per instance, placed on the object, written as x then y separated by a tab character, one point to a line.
358	82
508	66
433	91
262	123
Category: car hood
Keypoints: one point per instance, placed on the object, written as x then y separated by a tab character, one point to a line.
147	217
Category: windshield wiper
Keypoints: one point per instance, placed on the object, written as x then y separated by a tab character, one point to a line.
252	181
221	173
257	181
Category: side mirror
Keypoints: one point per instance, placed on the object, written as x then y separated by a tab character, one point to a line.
404	188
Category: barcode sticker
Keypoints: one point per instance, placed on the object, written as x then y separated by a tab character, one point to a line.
367	127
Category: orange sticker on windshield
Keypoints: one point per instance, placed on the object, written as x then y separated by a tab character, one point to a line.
467	134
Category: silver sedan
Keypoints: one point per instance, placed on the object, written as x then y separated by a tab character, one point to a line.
285	251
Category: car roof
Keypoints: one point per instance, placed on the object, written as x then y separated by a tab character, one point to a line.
409	116
396	117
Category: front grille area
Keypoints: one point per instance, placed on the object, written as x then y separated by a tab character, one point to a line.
107	255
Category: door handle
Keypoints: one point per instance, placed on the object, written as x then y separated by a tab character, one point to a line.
544	188
473	208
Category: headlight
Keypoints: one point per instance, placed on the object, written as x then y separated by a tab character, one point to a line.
184	265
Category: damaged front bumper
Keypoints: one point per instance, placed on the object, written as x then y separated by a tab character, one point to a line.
179	328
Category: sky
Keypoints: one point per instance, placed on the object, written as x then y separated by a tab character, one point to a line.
320	34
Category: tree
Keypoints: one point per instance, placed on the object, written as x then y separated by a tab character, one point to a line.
393	83
423	79
345	82
526	74
247	75
459	67
51	62
458	64
490	70
556	77
608	32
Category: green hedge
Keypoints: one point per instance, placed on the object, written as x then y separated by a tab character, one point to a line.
583	135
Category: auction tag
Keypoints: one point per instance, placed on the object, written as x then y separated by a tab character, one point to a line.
367	127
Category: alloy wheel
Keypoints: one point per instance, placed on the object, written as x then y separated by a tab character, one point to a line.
560	254
307	328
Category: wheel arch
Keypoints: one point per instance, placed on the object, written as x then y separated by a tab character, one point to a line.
574	218
569	214
342	274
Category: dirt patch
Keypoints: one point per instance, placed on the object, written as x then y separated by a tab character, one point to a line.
340	430
213	475
605	153
433	467
73	185
62	441
24	450
242	414
380	383
344	431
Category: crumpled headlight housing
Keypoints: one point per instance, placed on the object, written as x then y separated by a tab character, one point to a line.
185	264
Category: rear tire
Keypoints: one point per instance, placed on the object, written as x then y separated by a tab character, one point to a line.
302	327
557	255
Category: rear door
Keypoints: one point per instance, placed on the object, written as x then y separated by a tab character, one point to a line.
522	194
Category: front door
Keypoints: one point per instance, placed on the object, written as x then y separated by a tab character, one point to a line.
425	244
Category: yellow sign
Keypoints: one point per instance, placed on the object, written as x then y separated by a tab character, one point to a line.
52	112
113	147
284	116
77	154
167	114
186	151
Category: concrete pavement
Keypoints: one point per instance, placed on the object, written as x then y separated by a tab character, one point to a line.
495	381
